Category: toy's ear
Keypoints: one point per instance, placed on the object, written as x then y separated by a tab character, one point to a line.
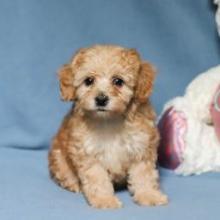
145	82
66	76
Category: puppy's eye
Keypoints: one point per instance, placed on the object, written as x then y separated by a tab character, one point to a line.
89	81
118	81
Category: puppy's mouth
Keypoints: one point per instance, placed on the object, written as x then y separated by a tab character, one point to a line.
101	110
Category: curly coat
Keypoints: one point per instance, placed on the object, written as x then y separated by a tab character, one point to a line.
97	148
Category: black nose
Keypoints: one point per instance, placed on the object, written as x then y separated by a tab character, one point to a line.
101	100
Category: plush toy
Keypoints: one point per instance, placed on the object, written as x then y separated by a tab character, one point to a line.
190	127
217	17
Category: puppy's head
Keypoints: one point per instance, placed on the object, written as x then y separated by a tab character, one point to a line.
105	80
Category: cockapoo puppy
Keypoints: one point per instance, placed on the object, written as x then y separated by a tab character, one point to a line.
109	136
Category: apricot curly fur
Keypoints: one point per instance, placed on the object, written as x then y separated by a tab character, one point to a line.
97	147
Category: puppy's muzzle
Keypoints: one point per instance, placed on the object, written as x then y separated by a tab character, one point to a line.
101	100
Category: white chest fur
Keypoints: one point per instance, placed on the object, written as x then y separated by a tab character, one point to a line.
115	147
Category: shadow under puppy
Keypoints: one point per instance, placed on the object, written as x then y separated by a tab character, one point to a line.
109	136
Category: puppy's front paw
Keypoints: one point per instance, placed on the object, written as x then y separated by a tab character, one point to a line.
151	198
105	202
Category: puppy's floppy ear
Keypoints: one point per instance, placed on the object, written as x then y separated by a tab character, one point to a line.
66	76
66	83
144	82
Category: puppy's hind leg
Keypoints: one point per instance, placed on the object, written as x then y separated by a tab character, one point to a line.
62	171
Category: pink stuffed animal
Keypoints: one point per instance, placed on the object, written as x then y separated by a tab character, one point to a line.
217	16
190	127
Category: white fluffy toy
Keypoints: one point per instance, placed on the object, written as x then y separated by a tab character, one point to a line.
217	16
190	127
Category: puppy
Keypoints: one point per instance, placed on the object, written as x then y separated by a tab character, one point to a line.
109	136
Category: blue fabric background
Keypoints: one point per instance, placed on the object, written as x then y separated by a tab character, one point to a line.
36	37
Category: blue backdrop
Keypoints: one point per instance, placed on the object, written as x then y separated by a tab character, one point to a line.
36	38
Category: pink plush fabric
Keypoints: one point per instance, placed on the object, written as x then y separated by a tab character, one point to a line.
172	127
215	112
